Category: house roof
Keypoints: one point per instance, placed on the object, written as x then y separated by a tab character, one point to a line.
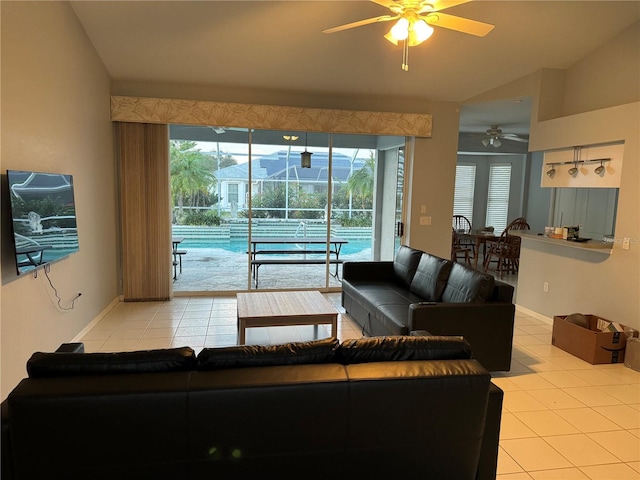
274	166
241	171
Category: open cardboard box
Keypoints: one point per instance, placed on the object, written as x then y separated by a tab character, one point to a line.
589	344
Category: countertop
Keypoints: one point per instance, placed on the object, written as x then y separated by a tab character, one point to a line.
593	245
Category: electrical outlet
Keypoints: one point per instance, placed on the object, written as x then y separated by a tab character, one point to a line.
545	287
423	209
625	243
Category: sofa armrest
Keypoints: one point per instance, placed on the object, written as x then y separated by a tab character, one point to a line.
502	292
488	463
369	271
487	326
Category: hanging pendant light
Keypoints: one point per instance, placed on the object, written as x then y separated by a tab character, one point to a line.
305	157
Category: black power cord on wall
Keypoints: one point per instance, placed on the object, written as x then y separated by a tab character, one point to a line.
55	291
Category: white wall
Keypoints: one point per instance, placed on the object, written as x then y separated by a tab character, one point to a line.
592	113
584	281
55	118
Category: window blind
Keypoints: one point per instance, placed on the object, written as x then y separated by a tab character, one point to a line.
464	189
498	195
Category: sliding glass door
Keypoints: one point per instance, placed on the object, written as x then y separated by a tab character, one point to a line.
260	217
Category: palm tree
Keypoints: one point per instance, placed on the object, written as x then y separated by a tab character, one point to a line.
360	182
192	173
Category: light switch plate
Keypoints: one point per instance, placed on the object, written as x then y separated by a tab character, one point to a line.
425	220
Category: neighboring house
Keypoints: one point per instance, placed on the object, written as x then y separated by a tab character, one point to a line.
281	166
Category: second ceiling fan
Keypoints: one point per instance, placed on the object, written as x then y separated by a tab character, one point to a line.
494	136
414	22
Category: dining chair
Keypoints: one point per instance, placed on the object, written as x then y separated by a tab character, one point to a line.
505	252
462	223
459	250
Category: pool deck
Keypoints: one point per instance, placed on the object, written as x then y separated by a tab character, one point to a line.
216	270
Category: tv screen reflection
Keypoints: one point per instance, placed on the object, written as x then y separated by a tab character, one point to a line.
43	216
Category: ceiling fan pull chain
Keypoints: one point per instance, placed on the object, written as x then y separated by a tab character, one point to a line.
405	55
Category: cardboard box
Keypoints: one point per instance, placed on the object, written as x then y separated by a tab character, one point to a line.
632	354
589	344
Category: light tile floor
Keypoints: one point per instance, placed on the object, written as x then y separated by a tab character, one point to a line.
563	418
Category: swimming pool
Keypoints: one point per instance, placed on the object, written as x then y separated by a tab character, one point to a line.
240	246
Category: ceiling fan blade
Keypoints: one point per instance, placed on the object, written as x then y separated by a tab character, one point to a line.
421	7
387	3
515	138
464	25
444	4
382	18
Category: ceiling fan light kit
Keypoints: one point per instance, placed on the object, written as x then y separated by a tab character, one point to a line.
414	20
493	141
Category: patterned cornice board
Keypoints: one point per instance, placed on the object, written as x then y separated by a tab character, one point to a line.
268	117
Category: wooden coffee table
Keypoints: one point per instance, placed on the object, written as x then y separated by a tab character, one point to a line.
275	309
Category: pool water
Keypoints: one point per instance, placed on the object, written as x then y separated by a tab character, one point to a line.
240	246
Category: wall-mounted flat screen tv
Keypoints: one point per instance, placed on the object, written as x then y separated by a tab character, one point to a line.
43	215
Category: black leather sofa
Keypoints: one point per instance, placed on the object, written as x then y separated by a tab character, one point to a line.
422	292
368	408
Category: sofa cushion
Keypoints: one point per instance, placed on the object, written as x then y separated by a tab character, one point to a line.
467	285
317	351
401	347
144	361
431	277
405	264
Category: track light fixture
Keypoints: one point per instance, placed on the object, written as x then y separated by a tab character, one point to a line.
599	170
574	170
576	157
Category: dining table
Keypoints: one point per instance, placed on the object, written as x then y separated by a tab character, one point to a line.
480	239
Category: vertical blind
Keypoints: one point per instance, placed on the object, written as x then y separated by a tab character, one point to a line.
498	195
464	190
143	161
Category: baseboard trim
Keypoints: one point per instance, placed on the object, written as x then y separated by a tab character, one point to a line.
537	315
94	322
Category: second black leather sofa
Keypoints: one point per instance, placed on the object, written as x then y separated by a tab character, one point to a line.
422	292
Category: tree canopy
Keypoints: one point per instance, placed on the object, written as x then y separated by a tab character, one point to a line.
192	174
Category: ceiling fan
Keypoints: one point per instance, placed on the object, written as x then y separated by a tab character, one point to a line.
414	22
494	136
